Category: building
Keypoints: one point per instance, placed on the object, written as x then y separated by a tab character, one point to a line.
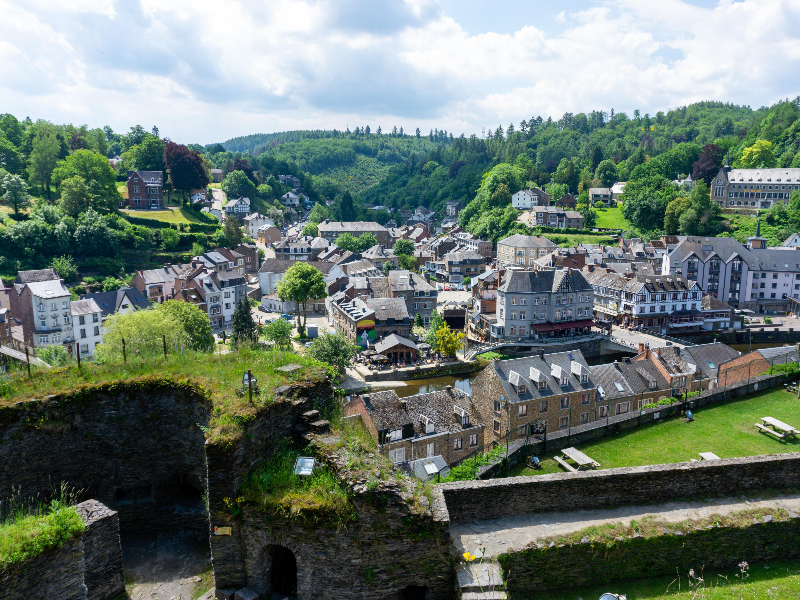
291	199
519	397
379	256
523	250
251	258
290	180
46	313
305	248
397	348
537	304
418	294
753	188
757	362
87	321
238	208
617	190
716	314
391	316
157	285
470	242
330	230
23	278
793	241
145	190
5	327
671	364
272	271
567	201
254	221
452	207
600	195
353	318
484	308
124	300
525	199
551	216
268	234
444	423
216	175
708	358
458	264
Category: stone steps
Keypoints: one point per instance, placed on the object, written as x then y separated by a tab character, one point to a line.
481	580
484	596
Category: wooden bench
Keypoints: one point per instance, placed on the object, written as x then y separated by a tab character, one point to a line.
583	461
787	430
565	464
766	429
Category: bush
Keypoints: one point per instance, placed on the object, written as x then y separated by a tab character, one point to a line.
104	265
55	356
767	320
197	228
65	267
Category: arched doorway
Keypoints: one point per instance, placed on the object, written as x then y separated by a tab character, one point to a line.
413	592
283	571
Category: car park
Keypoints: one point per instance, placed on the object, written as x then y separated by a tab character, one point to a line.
262	308
287	317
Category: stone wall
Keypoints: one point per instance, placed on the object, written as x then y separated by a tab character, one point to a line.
385	551
136	448
570	565
102	551
56	574
421	372
468	501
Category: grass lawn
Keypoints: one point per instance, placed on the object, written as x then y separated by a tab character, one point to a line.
611	218
167	216
778	580
573	239
728	430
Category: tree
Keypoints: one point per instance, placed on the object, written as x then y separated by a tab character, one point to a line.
673	212
759	156
16	195
447	341
99	175
346	208
279	332
93	236
237	185
232	231
435	324
403	248
408	263
142	331
708	163
186	169
244	327
311	229
239	164
65	267
366	241
334	349
75	196
645	201
606	172
346	242
301	282
147	155
195	322
43	158
318	214
10	159
589	217
418	322
169	239
597	158
112	284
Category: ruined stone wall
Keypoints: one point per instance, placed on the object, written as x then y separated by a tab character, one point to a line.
102	551
135	447
484	500
57	574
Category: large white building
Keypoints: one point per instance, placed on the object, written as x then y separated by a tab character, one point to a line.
525	199
753	188
87	324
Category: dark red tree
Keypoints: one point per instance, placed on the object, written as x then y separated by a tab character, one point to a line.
185	168
708	163
76	142
244	166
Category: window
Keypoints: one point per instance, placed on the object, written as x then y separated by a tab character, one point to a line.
53	306
543	406
96	330
397	455
521	389
565	402
563	422
43	339
473	439
623	407
496	426
457	444
81	320
430	450
584	418
83	333
522	410
522	315
497	406
602	411
585	398
542	385
41	307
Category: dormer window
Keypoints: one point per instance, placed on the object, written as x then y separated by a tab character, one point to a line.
653	385
584	378
521	389
542	385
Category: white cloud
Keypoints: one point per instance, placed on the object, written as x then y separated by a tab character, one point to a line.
204	71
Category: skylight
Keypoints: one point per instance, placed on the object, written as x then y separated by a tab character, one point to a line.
618	386
711	364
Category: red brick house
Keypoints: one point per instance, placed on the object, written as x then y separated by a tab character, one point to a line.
145	190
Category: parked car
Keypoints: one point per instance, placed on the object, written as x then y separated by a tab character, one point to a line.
262	308
447	288
308	344
287	317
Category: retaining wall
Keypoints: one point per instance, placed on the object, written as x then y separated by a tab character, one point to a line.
468	501
595	563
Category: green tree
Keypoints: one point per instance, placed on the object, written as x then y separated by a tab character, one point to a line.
366	241
311	229
233	231
318	214
408	263
65	267
236	184
597	159
75	196
195	322
169	239
142	331
673	212
98	174
760	155
148	155
447	341
279	332
435	324
244	326
645	201
16	195
43	158
301	282
403	248
10	158
112	284
418	322
607	173
333	349
589	217
346	242
55	356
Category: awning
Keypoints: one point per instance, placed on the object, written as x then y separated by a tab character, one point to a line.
573	325
543	327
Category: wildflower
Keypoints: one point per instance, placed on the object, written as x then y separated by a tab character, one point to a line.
468	557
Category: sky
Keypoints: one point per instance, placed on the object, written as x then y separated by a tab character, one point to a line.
205	71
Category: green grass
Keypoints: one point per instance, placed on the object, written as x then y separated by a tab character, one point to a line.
215	376
166	216
206	583
779	580
728	430
611	218
491	355
568	240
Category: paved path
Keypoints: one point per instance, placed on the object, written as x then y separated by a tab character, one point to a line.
634	338
516	533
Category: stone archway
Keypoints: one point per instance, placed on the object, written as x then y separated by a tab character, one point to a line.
282	566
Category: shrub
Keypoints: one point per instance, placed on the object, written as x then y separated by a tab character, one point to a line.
104	265
767	320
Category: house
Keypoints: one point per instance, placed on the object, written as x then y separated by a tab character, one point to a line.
379	256
15	290
551	216
273	269
391	316
757	362
145	190
599	195
291	199
268	234
254	221
5	327
352	317
441	246
459	264
124	300
397	348
567	201
470	242
419	295
452	207
759	188
290	180
198	196
716	314
87	321
418	234
625	386
216	175
617	190
305	248
251	258
330	230
5	295
238	208
484	310
525	199
443	424
671	364
523	250
46	313
236	261
538	304
708	358
520	396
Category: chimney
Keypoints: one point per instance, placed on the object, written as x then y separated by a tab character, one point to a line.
641	347
449	389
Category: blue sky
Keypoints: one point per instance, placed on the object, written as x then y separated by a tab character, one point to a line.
205	71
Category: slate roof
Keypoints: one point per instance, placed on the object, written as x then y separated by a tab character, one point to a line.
390	341
522	366
711	302
378	251
36	275
782	174
607	377
675	364
48	289
527	241
84	307
715	354
405	281
277	265
110	302
532	282
777	259
461	256
780	355
347	226
386	410
388	308
599	191
704	248
439	407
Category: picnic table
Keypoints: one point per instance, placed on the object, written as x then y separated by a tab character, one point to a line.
777	428
583	461
709	456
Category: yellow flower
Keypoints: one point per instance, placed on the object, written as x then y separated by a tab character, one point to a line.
469	557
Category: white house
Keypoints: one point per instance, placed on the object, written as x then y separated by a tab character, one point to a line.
87	322
238	208
46	314
291	199
254	221
525	199
273	269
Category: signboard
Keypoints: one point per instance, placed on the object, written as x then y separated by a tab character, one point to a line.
222	530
